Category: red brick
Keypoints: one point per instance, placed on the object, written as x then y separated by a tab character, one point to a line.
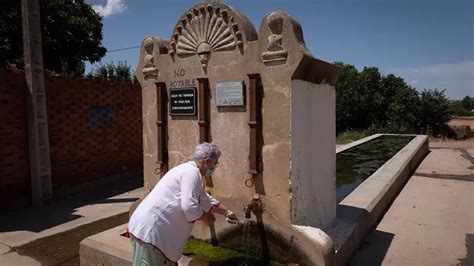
78	153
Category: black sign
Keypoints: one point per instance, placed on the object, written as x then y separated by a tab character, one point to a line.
183	101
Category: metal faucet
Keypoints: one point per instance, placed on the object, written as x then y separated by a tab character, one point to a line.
254	206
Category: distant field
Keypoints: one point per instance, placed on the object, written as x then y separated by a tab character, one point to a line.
462	121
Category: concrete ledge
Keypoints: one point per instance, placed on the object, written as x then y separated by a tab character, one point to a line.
362	209
106	248
110	248
322	242
355	143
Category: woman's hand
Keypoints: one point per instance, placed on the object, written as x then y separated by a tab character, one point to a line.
230	214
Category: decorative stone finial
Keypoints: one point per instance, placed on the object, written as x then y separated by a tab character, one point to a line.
275	53
149	69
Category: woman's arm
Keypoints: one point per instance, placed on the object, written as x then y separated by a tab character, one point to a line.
221	209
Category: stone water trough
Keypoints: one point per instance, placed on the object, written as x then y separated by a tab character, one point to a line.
270	107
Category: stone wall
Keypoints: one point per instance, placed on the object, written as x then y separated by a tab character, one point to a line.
95	130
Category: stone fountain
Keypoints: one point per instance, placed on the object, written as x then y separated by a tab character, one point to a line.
269	105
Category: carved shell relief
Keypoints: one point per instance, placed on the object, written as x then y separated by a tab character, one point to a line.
203	31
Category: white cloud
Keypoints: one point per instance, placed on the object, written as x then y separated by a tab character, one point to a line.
457	78
112	7
463	68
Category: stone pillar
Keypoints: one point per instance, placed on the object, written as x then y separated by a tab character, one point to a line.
147	74
313	154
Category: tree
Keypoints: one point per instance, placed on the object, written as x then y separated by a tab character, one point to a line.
457	109
368	101
71	34
467	103
347	97
390	87
371	110
120	72
462	107
433	112
359	98
403	113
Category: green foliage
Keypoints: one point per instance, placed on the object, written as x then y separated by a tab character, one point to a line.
10	32
350	136
348	99
120	72
433	114
71	34
369	102
468	103
372	97
402	110
457	108
123	72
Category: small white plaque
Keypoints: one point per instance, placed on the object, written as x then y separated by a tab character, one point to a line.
230	93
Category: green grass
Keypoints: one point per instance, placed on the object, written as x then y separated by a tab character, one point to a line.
350	136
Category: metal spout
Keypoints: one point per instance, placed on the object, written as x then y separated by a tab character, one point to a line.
254	206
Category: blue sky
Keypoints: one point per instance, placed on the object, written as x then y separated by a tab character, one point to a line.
430	43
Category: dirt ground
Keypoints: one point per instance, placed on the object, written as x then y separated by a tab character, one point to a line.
462	121
452	144
446	143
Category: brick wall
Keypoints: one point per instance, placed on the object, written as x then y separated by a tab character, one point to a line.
95	130
14	166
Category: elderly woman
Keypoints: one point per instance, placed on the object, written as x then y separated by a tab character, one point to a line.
163	221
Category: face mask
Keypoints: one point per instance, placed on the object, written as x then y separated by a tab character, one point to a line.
210	172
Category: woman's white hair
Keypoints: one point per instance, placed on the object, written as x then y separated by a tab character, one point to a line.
205	150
